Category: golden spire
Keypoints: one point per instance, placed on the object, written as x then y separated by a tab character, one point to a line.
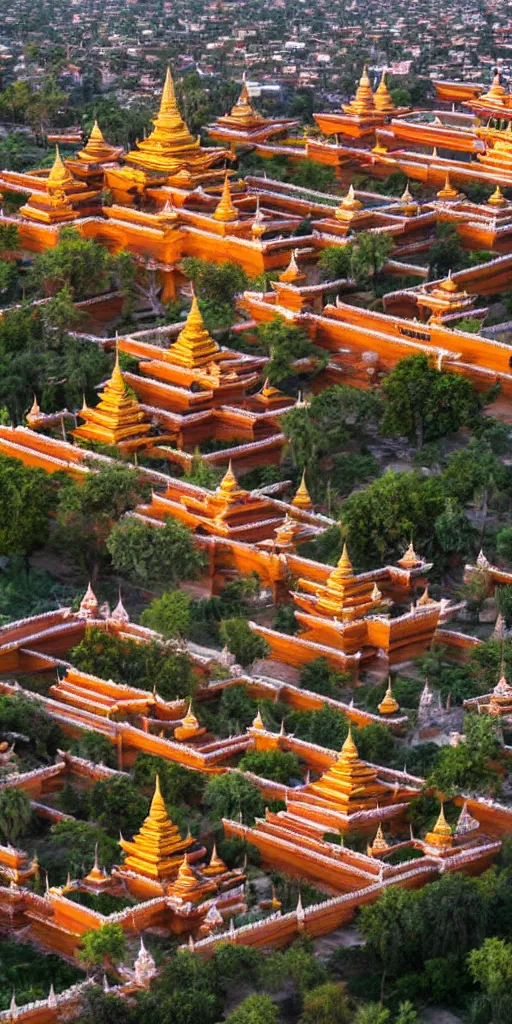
349	750
382	97
225	210
168	104
194	346
447	191
409	559
379	844
243	110
363	102
158	848
497	198
96	148
258	722
424	599
96	133
441	827
349	784
228	487
496	91
344	567
59	175
293	272
216	865
349	205
302	497
388	704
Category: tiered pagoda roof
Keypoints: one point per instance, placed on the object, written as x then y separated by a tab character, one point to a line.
158	848
118	416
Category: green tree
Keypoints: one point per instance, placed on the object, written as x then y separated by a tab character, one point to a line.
392	929
327	1004
73	846
504	543
86	511
424	403
105	945
147	666
406	1014
81	265
168	614
255	1009
93	746
151	555
372	1013
177	783
216	286
467	766
272	764
491	968
26	499
447	253
371	253
320	677
337	261
15	813
242	642
310	174
286	344
231	794
380	520
117	804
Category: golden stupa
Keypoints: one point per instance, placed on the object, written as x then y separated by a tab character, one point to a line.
349	785
225	211
158	848
118	416
363	102
170	146
382	98
302	497
194	347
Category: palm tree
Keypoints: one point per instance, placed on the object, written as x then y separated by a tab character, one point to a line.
371	253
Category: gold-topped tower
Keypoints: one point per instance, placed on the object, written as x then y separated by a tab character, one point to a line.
158	848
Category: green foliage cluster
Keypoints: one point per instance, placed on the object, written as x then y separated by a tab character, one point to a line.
141	665
286	344
30	973
361	259
150	556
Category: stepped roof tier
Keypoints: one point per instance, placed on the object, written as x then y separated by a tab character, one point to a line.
158	849
382	98
343	595
244	123
118	417
190	729
349	785
88	163
388	704
365	112
194	346
363	103
171	147
225	210
495	102
189	886
302	497
441	836
61	198
445	297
